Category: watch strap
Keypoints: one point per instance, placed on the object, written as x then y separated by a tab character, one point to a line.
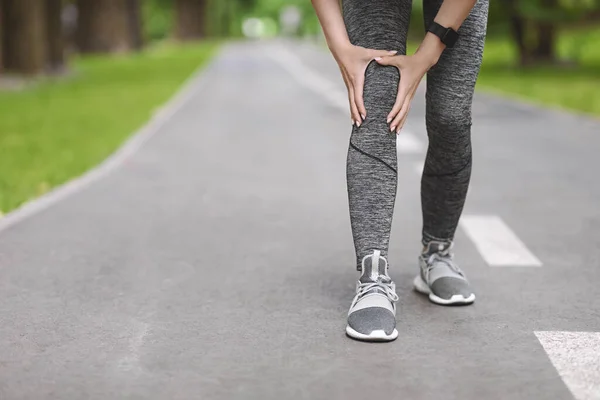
448	36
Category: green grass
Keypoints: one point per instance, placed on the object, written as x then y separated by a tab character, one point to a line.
574	88
570	87
57	129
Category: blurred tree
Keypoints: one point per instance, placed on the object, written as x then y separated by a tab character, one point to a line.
190	19
105	26
535	25
158	18
23	29
54	36
135	24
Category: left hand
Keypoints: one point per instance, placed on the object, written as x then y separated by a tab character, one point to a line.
412	69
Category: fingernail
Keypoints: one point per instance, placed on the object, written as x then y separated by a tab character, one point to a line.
357	123
388	120
352	122
393	129
363	116
393	51
377	58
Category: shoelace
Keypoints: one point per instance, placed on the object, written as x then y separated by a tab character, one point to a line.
442	257
385	285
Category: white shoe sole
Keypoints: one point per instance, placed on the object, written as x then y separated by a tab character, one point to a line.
375	336
457	299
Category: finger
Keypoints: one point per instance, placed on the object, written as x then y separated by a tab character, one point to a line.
404	118
349	89
345	78
396	123
359	85
382	53
400	100
353	109
401	117
401	124
395	61
409	102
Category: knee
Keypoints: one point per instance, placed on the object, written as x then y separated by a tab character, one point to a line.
449	114
449	132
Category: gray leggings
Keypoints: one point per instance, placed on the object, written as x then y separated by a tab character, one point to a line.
372	164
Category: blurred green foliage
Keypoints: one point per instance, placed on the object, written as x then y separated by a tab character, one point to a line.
158	18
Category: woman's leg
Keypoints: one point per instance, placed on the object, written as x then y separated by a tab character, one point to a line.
371	167
450	87
371	163
447	172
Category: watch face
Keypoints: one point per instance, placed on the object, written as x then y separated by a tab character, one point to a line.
450	37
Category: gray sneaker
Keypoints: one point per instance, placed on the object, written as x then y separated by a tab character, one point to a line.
440	278
372	315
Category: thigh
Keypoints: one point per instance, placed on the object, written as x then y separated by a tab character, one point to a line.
381	25
378	24
451	83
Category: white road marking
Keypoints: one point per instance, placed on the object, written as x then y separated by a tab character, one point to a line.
309	78
135	142
418	167
497	243
406	142
576	357
131	361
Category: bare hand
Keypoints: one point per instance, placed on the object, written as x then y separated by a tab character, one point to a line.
412	69
353	62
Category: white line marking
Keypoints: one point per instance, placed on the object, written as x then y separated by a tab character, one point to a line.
309	78
418	167
497	243
135	142
576	357
131	361
406	142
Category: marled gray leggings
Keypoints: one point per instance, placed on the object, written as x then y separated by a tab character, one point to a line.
371	165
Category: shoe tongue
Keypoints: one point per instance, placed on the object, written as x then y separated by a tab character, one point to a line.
374	268
435	247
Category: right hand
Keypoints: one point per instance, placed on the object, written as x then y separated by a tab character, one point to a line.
353	62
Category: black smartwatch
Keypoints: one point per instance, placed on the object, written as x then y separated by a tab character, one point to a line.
448	36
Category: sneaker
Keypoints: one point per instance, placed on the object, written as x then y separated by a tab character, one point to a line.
441	278
372	315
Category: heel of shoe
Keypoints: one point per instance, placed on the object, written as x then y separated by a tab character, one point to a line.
420	285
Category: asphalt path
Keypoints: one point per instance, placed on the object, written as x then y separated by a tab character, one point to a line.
213	259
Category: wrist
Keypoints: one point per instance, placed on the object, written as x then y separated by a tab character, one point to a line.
430	49
337	47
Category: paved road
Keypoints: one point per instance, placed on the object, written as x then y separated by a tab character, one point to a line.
217	261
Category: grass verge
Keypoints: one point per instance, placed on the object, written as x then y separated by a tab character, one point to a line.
57	129
572	87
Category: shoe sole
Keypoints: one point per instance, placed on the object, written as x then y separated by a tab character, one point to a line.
458	299
375	336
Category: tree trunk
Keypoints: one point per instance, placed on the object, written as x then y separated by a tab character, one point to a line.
190	19
518	30
134	19
546	40
23	29
1	36
54	36
546	36
102	26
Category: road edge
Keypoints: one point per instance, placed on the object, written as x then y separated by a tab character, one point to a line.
125	151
